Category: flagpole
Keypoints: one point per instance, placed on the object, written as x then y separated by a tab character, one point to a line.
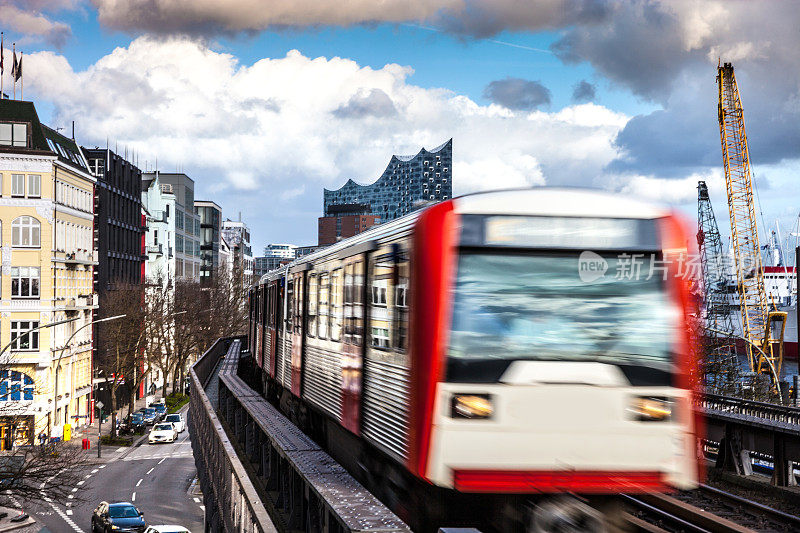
21	79
13	74
2	65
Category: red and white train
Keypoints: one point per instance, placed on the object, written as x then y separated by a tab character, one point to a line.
528	342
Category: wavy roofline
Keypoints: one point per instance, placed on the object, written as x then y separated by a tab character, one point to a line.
400	158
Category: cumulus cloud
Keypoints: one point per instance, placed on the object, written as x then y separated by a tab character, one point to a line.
518	94
33	24
583	92
367	103
268	136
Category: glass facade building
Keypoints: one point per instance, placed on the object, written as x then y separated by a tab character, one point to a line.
408	183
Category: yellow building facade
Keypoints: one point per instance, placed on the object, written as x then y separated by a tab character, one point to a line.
47	255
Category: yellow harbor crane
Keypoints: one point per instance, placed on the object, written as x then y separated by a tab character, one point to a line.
762	327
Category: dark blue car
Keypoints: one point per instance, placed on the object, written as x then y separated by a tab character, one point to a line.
123	517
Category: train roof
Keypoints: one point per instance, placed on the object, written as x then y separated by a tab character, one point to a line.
544	201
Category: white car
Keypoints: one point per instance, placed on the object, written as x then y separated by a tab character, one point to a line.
176	420
167	529
162	432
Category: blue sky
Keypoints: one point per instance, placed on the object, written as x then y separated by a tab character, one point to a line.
214	91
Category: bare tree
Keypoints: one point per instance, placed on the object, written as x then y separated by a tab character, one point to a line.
42	473
121	342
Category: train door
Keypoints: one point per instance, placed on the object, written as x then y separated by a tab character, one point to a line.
353	341
295	326
272	304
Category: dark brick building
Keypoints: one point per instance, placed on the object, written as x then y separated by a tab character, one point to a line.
117	219
343	221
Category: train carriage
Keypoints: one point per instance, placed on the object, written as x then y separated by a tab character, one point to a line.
496	343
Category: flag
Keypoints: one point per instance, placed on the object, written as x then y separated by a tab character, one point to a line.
19	68
14	66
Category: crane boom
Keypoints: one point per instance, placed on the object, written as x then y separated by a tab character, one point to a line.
719	348
758	322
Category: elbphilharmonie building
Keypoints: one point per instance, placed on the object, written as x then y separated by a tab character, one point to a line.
409	182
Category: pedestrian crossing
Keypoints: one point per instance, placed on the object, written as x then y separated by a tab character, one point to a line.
150	456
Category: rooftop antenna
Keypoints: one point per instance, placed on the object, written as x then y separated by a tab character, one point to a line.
73	130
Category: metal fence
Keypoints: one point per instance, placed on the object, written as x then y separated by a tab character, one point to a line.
740	428
231	502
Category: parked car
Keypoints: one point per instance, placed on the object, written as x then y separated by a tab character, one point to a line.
160	408
167	529
123	517
162	432
177	420
137	421
150	415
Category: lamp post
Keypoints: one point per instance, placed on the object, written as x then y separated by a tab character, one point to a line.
61	354
26	333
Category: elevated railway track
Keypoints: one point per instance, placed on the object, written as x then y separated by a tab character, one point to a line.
259	473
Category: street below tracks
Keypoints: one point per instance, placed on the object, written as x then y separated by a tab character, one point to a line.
155	478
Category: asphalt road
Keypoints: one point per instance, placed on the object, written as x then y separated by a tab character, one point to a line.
155	478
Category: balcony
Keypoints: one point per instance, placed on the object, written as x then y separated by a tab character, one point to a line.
154	249
166	188
157	216
81	257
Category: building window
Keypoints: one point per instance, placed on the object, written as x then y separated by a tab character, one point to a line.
24	282
25	232
13	134
30	341
15	386
18	185
34	186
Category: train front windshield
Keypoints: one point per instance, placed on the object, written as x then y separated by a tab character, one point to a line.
514	305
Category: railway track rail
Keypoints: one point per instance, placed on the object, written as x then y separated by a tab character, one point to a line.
673	515
706	510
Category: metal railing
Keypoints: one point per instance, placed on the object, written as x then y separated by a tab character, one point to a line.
761	410
231	502
739	428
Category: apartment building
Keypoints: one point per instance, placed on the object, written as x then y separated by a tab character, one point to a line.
48	258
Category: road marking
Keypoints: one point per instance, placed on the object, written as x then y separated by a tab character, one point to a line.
75	490
81	482
196	500
69	512
138	482
202	507
88	476
162	460
103	466
71	496
148	472
121	449
133	498
94	471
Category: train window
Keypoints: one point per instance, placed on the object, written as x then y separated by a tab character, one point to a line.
312	305
322	306
401	298
290	305
336	305
298	304
353	302
382	283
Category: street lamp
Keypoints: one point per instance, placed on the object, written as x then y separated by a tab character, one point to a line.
26	333
58	363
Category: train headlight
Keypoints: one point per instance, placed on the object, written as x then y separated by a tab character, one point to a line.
473	406
651	409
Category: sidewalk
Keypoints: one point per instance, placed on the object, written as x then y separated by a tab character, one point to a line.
111	452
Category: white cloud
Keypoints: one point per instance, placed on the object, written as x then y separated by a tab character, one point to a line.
273	125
